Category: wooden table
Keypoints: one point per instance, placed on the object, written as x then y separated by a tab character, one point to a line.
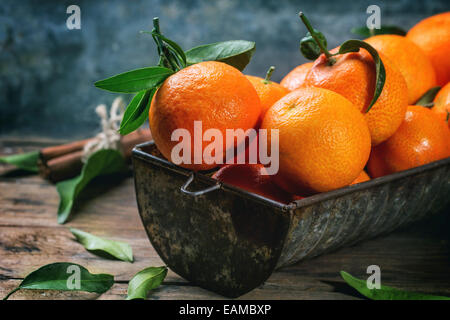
415	258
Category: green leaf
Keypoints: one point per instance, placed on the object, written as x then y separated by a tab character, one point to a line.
63	276
354	46
25	161
167	49
144	281
385	292
309	47
236	53
428	97
173	46
102	162
137	111
135	80
117	249
366	32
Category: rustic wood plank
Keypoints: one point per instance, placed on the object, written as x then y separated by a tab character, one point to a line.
30	234
24	249
109	202
31	237
118	291
172	292
407	261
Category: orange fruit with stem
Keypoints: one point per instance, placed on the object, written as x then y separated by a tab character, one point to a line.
410	60
422	138
268	91
432	35
296	78
324	141
253	178
216	94
442	103
354	76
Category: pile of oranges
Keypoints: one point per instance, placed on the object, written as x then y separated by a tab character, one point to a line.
327	139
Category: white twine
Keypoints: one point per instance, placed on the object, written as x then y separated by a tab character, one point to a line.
109	137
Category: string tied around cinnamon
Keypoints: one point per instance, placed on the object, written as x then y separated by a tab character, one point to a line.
109	137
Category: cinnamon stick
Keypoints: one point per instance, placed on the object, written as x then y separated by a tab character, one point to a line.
64	162
129	141
61	168
49	153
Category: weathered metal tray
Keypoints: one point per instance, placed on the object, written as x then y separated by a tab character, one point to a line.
229	241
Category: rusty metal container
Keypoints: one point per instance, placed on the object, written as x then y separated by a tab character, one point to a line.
229	241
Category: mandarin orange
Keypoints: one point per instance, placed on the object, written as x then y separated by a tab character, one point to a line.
410	60
268	91
324	141
353	76
433	36
422	138
442	103
216	94
296	78
253	178
363	177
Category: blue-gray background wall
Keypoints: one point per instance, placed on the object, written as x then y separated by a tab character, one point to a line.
47	71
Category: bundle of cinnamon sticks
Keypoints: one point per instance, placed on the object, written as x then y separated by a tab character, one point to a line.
64	161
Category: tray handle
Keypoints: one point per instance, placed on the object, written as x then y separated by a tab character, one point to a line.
199	192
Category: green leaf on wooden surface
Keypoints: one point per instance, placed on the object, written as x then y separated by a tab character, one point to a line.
102	162
137	111
426	100
236	53
380	78
366	32
385	292
65	276
25	161
135	80
144	281
117	249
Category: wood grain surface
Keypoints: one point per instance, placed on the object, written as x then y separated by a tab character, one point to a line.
415	258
